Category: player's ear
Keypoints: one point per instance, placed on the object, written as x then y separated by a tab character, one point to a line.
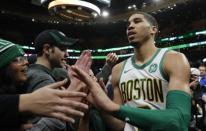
154	30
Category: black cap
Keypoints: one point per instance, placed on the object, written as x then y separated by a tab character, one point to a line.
54	37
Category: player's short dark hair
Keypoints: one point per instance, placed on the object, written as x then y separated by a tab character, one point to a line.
149	18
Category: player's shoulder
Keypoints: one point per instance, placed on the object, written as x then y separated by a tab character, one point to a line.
175	60
116	71
172	55
119	66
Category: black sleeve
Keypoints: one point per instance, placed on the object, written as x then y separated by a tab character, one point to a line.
9	111
104	73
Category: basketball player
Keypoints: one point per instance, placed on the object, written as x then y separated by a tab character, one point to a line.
151	88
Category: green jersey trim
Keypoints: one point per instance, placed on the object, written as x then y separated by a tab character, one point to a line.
122	69
145	64
162	72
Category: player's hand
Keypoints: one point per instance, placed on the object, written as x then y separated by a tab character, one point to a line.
84	63
99	98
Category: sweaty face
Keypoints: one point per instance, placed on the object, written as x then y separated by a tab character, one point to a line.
58	56
18	68
139	29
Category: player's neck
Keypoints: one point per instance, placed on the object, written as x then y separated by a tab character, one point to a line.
144	52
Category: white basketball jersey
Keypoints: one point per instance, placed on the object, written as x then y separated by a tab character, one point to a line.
144	86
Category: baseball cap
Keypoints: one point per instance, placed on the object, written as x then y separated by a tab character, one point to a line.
54	37
8	52
194	71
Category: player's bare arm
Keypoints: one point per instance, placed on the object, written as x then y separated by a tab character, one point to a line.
177	68
112	122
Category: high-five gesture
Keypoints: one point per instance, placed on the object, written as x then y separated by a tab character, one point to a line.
84	63
100	99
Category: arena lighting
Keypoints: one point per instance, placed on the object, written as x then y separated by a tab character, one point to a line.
163	40
189	45
75	10
105	1
32	48
156	0
203	32
114	49
28	47
38	2
105	13
204	60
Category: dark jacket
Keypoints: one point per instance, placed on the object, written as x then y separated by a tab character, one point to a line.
38	77
10	119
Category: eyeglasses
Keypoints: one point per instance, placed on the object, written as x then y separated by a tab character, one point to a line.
20	59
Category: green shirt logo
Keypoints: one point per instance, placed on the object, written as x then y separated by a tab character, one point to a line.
153	68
